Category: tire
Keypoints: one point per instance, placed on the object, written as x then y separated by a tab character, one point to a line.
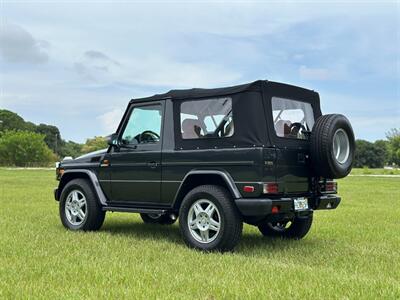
332	146
157	219
298	228
72	196
194	209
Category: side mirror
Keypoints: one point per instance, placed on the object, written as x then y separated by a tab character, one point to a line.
112	139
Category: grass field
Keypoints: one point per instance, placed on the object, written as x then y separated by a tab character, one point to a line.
350	253
378	171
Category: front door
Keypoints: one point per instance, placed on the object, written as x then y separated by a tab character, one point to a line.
136	164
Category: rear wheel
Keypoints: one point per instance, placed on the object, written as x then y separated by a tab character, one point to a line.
209	220
79	208
293	229
157	219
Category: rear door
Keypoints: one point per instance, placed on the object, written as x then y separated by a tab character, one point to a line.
136	164
291	114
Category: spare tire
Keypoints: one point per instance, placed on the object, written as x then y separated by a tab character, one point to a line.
332	146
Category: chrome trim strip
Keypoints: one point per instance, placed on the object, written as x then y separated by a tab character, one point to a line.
210	163
140	164
249	182
126	180
67	165
188	163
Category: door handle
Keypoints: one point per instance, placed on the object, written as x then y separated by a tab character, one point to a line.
152	164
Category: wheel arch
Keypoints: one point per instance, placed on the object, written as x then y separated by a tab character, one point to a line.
196	178
85	174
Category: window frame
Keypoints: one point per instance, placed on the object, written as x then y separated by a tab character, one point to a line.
283	138
150	146
205	137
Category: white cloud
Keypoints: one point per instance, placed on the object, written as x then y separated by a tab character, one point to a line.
159	71
150	47
18	46
314	73
110	120
153	71
98	55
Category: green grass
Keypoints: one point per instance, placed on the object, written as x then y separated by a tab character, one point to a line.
350	253
378	171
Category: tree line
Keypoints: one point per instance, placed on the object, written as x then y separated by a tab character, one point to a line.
24	144
379	153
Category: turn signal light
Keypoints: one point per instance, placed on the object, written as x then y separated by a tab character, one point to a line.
59	173
271	188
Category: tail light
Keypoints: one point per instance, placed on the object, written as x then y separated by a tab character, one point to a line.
248	189
328	186
271	188
275	209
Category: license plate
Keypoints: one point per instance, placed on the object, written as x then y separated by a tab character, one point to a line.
300	203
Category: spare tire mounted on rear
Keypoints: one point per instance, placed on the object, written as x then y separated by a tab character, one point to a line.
332	146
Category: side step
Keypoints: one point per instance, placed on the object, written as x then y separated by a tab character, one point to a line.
134	210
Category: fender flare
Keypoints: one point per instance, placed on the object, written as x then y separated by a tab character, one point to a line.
93	179
224	175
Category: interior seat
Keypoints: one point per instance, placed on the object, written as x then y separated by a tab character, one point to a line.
191	129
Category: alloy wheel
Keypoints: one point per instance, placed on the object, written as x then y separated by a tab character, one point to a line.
76	207
204	221
341	146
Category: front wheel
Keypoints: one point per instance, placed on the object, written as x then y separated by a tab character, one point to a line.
79	208
209	219
293	229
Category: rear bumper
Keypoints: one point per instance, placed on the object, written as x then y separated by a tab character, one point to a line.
263	207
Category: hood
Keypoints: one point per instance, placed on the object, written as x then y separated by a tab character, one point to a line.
90	157
91	154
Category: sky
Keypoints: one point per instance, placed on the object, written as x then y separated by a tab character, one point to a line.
76	64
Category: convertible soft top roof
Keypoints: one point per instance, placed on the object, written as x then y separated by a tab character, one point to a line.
200	93
249	112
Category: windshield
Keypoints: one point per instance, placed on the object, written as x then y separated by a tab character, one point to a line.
292	118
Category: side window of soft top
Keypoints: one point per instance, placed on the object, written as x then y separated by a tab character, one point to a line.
292	118
206	118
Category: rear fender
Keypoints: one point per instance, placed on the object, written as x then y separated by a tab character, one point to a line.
198	177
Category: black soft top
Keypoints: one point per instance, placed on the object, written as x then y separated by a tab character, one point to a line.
200	93
252	112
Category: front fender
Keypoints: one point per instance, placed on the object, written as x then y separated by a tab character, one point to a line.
81	173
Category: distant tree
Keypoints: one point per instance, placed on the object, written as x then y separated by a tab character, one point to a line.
29	126
69	148
369	154
393	137
383	146
11	121
96	143
52	136
24	149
